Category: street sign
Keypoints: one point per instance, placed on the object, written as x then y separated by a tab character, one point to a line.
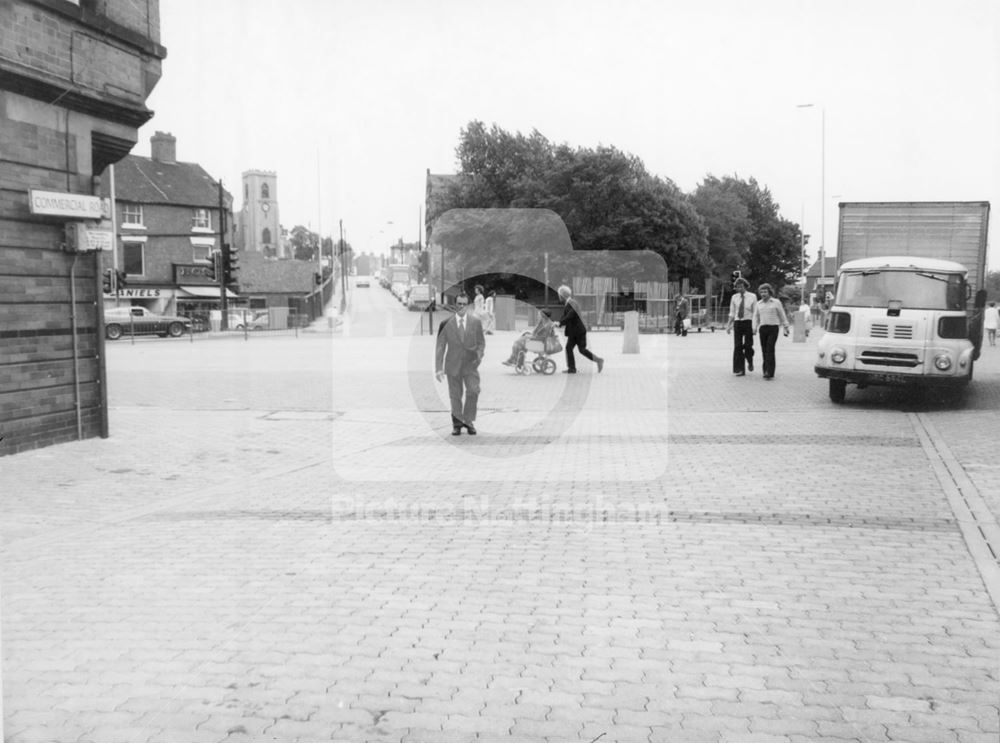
80	238
64	204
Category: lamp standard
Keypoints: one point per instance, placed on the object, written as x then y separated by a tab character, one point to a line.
822	195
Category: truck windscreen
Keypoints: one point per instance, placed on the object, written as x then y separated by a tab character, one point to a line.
924	290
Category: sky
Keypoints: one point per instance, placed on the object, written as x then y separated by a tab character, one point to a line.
351	102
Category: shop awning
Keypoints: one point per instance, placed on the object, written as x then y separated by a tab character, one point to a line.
203	292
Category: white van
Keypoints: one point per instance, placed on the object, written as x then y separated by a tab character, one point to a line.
897	320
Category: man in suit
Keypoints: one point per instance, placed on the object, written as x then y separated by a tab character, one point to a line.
576	332
460	347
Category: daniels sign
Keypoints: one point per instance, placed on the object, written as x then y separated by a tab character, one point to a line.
60	204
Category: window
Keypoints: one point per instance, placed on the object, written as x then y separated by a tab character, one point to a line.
265	192
265	236
131	214
246	192
133	259
201	220
201	249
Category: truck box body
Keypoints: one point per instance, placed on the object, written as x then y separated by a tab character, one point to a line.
947	230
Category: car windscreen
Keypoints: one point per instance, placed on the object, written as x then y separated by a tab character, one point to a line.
924	290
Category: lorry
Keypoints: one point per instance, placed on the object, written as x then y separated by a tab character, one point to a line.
909	296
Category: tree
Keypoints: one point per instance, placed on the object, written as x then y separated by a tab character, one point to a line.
993	286
304	243
606	198
745	231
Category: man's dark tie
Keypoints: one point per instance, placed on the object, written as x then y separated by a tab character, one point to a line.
739	314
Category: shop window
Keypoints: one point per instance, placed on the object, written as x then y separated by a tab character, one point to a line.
201	220
131	215
134	259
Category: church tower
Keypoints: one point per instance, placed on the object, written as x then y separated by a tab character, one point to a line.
260	228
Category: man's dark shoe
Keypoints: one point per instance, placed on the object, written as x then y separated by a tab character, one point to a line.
750	365
739	374
600	365
456	431
471	429
569	371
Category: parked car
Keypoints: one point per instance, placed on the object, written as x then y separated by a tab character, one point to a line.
362	281
249	320
140	321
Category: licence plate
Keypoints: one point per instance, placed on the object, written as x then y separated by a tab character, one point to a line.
893	378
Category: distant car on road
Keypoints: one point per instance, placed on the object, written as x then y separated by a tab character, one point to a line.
362	281
140	321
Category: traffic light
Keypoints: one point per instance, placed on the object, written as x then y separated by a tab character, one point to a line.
108	282
121	281
318	278
230	261
215	269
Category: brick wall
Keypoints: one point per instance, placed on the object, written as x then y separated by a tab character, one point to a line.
47	395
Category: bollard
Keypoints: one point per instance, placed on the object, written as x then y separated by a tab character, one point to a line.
630	338
799	327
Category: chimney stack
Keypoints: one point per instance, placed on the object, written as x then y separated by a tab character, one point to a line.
163	147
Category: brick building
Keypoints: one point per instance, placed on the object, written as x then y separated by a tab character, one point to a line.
169	221
74	79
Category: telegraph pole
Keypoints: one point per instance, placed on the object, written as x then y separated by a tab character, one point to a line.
223	301
343	270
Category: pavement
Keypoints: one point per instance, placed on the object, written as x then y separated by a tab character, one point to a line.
280	541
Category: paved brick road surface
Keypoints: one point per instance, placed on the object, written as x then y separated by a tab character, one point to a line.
282	542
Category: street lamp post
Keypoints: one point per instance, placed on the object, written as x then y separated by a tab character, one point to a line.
822	196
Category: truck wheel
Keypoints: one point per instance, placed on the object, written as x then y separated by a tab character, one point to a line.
113	332
175	330
838	389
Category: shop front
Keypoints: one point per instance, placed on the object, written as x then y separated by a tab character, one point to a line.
198	295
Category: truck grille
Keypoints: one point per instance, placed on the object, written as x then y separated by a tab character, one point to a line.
887	358
881	330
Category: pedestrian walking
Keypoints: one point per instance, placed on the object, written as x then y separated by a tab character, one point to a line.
991	321
576	332
478	302
768	315
680	316
741	309
459	351
489	319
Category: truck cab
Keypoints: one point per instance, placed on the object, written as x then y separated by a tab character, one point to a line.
900	321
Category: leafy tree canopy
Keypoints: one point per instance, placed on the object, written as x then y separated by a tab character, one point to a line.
606	198
745	231
610	202
304	243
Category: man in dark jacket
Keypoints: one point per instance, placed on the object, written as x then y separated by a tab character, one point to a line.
576	332
459	350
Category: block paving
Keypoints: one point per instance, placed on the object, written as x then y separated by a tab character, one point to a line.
280	541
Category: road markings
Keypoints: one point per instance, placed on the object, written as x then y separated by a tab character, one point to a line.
979	527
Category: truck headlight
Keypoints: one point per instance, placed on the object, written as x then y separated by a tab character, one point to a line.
838	355
942	362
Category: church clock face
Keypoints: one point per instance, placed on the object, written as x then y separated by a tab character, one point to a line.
264	207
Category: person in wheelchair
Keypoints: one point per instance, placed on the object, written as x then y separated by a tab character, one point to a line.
545	328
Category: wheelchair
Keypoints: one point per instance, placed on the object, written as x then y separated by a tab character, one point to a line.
541	364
